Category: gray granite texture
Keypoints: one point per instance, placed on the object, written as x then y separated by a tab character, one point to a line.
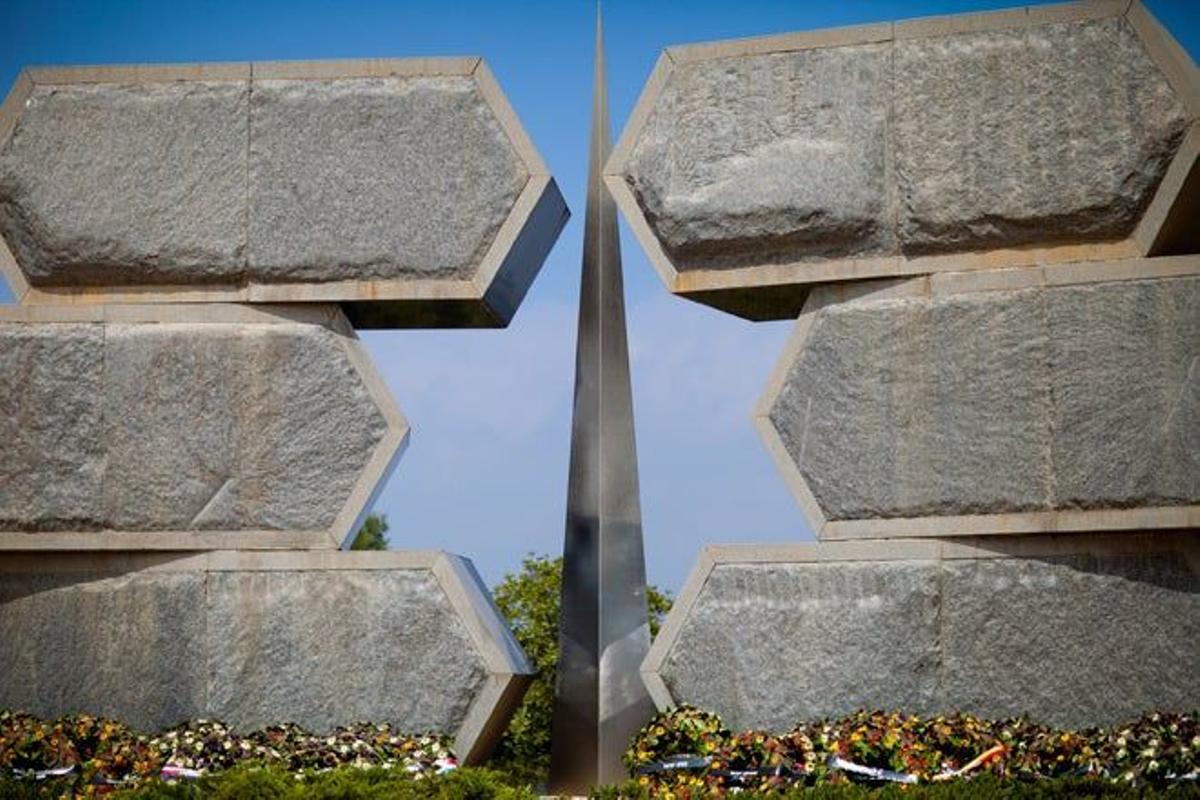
1055	133
54	461
180	427
768	158
1080	397
268	181
332	647
104	643
154	640
1073	639
376	178
105	184
768	645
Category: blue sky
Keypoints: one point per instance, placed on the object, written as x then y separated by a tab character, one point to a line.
485	473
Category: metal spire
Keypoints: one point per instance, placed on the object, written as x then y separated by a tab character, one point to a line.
600	700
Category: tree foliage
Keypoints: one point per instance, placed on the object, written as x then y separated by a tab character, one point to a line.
529	600
373	533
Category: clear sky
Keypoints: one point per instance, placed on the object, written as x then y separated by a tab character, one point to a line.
485	473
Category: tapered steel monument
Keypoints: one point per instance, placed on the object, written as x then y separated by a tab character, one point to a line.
600	700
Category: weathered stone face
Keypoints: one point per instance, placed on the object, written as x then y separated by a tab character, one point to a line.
1125	370
330	647
993	402
255	639
181	427
376	178
1079	630
754	168
769	645
768	158
53	467
134	650
404	189
108	184
278	180
1036	135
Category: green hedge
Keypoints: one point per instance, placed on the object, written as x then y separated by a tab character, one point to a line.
273	783
352	783
987	787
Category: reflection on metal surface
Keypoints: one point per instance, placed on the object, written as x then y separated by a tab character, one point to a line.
600	700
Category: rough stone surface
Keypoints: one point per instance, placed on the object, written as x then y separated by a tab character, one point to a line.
1125	365
1055	133
104	643
331	647
376	178
768	158
1072	640
53	460
1079	639
1052	133
180	427
271	181
106	184
992	402
154	639
769	645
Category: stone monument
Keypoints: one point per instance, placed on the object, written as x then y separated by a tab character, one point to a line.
985	228
189	416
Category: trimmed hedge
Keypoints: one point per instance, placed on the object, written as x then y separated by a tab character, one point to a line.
352	783
986	787
249	782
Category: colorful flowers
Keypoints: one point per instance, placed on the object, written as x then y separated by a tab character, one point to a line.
1155	749
104	752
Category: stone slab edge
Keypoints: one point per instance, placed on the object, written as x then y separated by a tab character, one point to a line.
706	286
940	284
539	201
361	497
961	548
509	671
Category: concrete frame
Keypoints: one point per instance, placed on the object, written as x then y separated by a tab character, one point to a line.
947	283
965	548
357	504
509	671
489	299
778	291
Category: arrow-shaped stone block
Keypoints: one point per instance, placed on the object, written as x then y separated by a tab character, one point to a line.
1080	630
255	639
192	427
752	169
405	189
1013	401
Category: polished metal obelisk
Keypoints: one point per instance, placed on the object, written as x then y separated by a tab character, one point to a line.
600	700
